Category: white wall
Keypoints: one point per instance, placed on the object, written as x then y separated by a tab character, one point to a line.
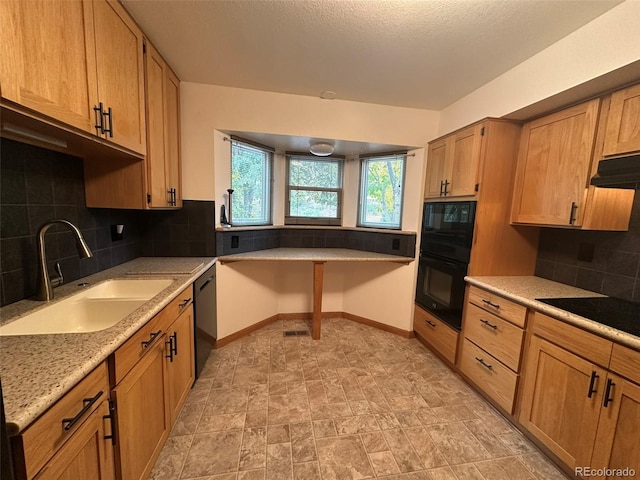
207	108
609	42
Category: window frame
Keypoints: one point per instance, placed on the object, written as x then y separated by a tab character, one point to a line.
269	183
363	162
330	221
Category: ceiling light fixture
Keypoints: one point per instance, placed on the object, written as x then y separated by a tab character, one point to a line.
328	95
321	149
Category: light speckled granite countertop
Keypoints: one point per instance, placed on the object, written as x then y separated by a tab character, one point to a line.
315	255
525	290
37	370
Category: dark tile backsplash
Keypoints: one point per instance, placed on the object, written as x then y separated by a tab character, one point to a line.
38	185
261	239
604	262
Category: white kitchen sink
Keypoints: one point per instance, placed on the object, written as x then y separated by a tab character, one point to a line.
94	309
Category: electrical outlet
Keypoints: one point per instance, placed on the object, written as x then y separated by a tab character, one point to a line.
235	241
395	244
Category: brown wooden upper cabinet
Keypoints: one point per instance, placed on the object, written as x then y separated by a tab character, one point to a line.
78	62
623	123
558	155
453	163
163	131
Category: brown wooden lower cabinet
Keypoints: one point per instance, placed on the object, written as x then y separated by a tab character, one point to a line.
617	445
561	400
436	333
150	395
88	454
179	362
583	404
142	414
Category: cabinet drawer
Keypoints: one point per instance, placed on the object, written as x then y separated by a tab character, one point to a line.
574	339
498	337
134	349
488	374
505	309
625	362
47	434
436	333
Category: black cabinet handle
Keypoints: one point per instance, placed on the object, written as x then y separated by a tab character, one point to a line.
109	130
184	303
171	351
152	338
572	215
485	365
441	187
592	390
490	325
488	302
446	185
113	417
88	403
607	392
99	112
430	323
175	343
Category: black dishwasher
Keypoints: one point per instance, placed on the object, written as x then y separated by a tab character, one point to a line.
206	324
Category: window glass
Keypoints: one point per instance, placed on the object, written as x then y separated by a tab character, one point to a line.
251	181
381	191
314	190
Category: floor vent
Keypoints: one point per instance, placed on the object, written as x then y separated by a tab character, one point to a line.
296	333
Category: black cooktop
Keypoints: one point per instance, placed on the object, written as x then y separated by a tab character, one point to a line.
614	312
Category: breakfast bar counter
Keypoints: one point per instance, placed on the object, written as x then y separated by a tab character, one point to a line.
319	256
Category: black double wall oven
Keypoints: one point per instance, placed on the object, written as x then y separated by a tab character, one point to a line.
445	249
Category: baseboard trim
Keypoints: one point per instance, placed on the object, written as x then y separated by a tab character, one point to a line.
221	342
307	316
378	325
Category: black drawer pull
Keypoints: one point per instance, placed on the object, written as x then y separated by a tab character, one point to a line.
152	338
99	126
485	365
572	215
88	403
490	325
173	346
607	398
113	417
430	323
488	302
184	303
110	116
592	390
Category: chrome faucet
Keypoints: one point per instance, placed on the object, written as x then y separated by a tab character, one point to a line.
46	284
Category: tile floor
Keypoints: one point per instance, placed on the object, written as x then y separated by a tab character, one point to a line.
360	403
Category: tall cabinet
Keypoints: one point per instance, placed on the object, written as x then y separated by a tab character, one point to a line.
478	162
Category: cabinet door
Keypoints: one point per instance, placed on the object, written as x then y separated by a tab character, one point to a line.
465	160
554	167
87	454
163	131
47	58
142	413
618	441
436	168
556	406
180	361
172	155
119	58
623	124
157	150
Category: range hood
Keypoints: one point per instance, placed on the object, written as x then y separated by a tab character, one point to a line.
621	172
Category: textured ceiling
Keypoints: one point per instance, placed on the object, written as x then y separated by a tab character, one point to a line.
411	53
